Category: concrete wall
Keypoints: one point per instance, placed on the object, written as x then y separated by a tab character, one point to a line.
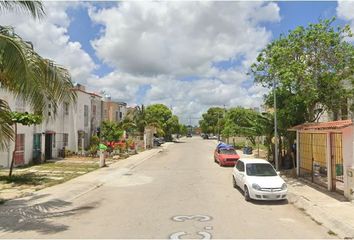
20	106
96	116
80	123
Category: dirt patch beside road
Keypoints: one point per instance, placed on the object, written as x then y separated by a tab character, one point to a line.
28	179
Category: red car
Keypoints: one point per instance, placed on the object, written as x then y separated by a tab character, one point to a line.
225	155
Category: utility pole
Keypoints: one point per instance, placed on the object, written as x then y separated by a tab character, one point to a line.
218	127
275	130
190	124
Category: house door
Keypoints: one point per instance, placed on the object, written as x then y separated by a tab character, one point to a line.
37	147
337	162
20	150
48	146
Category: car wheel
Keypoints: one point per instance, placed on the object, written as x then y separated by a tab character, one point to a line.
215	159
246	194
234	184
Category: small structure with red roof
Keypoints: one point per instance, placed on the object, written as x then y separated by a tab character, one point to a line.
324	154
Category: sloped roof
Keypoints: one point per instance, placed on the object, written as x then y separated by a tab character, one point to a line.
323	125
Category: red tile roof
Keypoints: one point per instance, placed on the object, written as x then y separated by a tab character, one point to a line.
323	125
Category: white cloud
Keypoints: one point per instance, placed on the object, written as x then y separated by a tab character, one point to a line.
158	43
180	38
153	45
50	38
345	11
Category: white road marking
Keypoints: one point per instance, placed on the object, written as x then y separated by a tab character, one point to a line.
200	218
177	235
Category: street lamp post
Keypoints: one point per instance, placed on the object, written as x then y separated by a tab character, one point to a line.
275	130
218	127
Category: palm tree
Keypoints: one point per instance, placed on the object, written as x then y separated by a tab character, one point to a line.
138	116
6	131
35	8
27	75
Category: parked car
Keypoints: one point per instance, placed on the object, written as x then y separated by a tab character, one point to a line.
157	142
225	155
189	135
258	180
205	136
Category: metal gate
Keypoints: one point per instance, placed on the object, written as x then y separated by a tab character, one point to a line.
313	164
337	162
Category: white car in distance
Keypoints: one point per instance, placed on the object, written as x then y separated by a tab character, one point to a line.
258	180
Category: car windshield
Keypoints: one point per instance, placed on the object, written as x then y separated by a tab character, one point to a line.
260	169
227	151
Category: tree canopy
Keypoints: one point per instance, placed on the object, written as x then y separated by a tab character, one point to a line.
161	117
212	120
310	66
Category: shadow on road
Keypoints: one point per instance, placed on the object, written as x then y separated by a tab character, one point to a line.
20	215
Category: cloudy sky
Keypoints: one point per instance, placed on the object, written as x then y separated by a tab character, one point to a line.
187	55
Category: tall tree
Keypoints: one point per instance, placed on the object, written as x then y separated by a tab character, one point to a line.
212	120
158	115
309	66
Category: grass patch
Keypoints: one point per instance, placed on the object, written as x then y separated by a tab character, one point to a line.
47	174
67	167
23	179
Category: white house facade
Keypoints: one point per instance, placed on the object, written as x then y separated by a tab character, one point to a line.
69	128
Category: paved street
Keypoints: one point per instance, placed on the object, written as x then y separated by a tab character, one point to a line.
180	192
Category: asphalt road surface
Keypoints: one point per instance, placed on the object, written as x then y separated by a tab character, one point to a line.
179	193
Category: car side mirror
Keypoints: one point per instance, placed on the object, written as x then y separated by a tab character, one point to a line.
278	173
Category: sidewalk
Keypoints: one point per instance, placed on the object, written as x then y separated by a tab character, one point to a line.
76	187
329	209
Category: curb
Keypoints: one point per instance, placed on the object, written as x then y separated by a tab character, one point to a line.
337	227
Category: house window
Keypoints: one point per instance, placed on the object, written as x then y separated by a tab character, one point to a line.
66	108
65	139
120	115
86	115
